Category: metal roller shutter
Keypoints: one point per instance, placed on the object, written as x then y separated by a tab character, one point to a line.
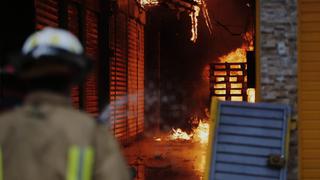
133	77
73	26
118	75
92	50
46	13
140	78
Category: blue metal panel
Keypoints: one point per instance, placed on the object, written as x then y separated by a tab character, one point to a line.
245	135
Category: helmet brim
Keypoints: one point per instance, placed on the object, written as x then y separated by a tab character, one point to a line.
59	62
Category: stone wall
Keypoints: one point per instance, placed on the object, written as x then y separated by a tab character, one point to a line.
278	61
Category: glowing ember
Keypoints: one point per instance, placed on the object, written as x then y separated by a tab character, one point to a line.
157	139
206	73
202	5
145	3
248	39
194	14
194	20
206	16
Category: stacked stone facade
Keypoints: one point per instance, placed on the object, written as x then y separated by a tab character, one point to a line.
278	61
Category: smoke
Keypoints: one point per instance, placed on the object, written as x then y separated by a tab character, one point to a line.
106	114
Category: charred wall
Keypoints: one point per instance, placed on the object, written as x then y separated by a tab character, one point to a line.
174	66
183	77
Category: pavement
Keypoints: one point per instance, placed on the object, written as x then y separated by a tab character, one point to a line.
166	159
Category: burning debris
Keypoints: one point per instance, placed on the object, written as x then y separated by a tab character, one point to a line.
198	134
193	7
194	20
202	6
145	3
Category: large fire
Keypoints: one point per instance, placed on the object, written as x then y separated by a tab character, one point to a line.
239	56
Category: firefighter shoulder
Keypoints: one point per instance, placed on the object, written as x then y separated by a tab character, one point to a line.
45	138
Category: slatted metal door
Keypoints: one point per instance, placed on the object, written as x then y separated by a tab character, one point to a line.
127	76
245	135
118	75
140	94
92	50
309	89
135	78
46	13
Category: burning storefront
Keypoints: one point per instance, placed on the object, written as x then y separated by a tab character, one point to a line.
181	76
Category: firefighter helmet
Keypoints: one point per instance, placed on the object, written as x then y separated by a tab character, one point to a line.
52	51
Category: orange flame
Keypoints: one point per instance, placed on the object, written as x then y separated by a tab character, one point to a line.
145	3
194	20
198	134
201	133
251	92
238	55
248	39
178	134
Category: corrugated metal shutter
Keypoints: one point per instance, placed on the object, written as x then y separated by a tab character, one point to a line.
140	78
133	77
92	50
245	135
118	75
46	13
309	89
73	26
127	76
